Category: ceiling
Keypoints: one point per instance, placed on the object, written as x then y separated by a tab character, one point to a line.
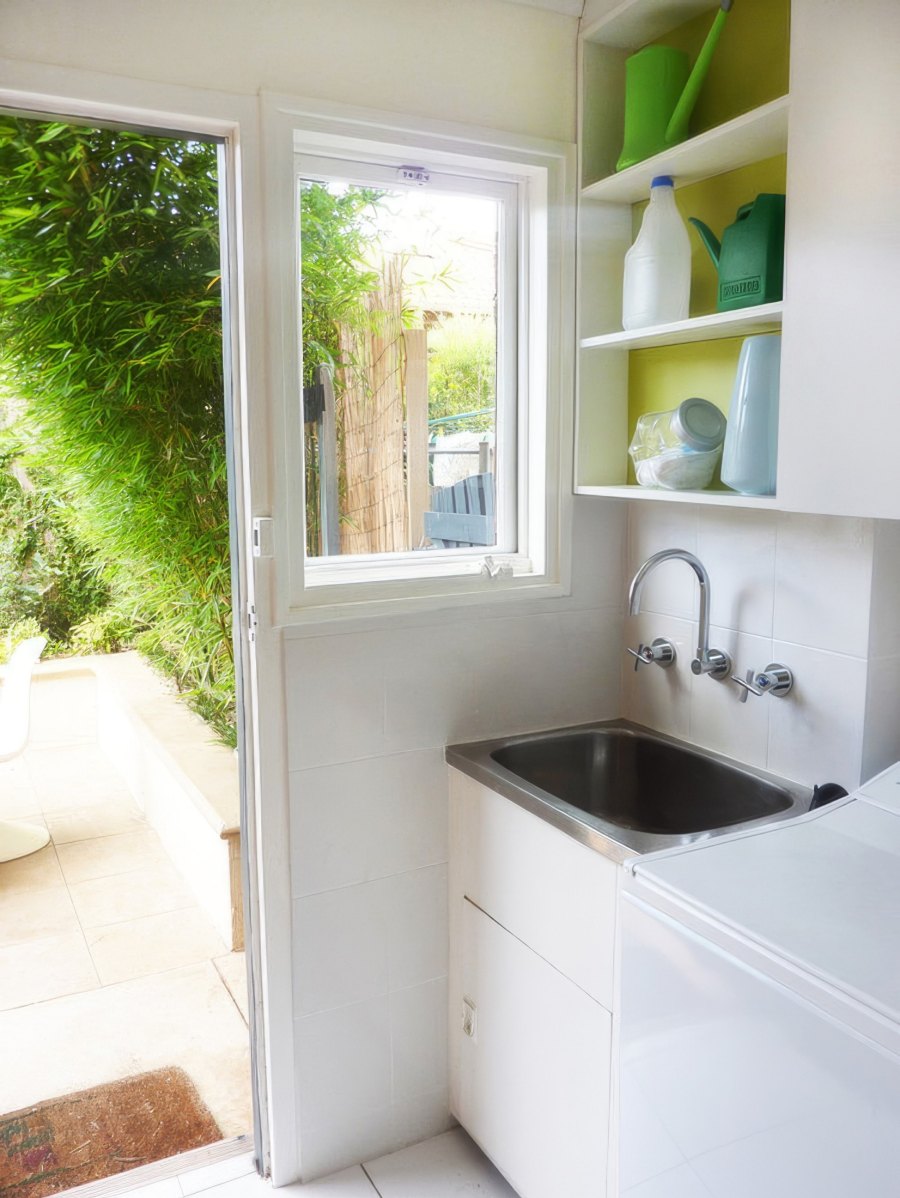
571	8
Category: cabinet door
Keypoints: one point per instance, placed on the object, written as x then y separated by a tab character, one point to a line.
531	1083
840	415
555	895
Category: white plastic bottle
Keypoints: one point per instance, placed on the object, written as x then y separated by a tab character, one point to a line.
657	286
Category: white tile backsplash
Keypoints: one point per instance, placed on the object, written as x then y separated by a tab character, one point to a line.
881	739
816	732
719	720
823	578
651	695
812	592
884	627
671	589
742	567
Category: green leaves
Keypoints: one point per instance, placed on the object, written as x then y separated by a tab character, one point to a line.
111	341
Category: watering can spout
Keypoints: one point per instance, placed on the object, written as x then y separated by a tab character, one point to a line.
677	128
709	239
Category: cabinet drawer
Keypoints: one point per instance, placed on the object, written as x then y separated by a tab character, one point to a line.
556	895
531	1081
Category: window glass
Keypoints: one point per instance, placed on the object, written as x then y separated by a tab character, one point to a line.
408	364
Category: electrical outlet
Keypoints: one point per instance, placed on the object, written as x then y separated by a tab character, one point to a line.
469	1018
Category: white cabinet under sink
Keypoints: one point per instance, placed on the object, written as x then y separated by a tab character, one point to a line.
531	985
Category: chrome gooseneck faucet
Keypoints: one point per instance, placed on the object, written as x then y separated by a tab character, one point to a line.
708	661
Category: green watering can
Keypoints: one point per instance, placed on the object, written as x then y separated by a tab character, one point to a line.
660	93
750	259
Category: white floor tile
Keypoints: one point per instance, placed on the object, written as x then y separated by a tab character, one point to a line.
37	915
445	1167
139	947
216	1174
39	970
151	890
109	855
37	871
100	819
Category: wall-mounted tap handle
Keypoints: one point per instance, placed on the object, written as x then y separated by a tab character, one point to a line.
747	688
775	679
640	655
660	653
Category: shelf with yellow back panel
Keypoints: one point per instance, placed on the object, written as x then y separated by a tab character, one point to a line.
736	151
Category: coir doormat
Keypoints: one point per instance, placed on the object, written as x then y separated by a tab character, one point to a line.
82	1137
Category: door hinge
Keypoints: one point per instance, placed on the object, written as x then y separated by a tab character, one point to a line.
252	622
263	536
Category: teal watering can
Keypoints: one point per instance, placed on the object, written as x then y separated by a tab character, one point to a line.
660	93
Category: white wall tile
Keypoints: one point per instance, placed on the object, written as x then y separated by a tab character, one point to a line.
671	588
501	676
598	552
327	1147
344	1065
659	698
816	732
739	555
340	946
881	741
719	720
359	820
884	625
823	575
419	1040
417	927
419	1117
335	698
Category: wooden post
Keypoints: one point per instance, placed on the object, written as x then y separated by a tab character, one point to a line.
329	515
418	490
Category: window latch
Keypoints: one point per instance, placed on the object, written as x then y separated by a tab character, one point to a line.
492	569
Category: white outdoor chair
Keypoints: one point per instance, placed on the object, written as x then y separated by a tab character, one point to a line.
18	840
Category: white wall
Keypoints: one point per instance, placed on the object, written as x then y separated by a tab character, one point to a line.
369	708
817	594
370	712
484	62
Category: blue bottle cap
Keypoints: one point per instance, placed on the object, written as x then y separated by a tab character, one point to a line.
662	181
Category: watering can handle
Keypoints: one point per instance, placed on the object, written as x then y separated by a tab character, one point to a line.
677	128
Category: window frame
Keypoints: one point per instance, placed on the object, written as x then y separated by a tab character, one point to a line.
544	174
339	570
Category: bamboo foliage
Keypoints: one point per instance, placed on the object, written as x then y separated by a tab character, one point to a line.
371	386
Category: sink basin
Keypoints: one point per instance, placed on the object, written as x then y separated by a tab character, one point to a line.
630	786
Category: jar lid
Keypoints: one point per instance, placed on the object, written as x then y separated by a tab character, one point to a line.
699	424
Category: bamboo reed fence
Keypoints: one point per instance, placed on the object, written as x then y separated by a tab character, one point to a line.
374	509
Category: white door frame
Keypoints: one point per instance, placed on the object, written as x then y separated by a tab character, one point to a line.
39	89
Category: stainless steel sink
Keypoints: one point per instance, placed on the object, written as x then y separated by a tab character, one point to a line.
618	786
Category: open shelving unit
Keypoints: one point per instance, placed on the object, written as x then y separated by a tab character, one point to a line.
606	228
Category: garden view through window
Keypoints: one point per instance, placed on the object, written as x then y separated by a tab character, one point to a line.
407	358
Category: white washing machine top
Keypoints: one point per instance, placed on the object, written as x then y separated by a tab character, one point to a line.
821	893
